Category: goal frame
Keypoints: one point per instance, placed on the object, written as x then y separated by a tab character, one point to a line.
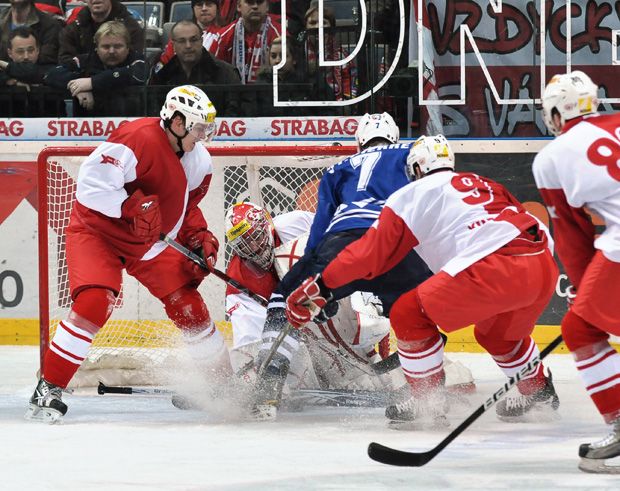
289	150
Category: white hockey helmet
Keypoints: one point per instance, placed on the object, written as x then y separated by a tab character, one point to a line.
250	232
376	126
571	95
430	153
194	105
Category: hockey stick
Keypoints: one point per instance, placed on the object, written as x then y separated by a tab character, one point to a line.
220	274
309	397
103	389
391	456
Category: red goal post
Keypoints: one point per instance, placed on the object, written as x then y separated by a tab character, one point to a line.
139	336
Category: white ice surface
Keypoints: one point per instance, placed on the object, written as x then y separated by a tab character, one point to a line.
110	443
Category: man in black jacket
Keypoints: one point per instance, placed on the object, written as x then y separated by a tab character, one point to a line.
96	80
24	67
192	64
77	38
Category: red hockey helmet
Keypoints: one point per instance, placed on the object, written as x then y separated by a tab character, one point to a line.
250	232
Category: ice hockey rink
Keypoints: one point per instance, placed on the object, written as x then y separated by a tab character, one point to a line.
131	442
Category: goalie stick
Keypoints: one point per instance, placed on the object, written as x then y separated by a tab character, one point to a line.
392	456
309	397
220	274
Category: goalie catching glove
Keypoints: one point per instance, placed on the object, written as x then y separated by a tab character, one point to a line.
142	213
307	301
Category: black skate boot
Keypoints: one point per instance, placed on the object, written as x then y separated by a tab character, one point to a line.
416	412
46	403
540	405
595	456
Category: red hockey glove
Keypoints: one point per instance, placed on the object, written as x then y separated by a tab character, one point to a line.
306	302
206	245
142	213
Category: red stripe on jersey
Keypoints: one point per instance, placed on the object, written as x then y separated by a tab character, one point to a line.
68	353
603	382
596	362
75	334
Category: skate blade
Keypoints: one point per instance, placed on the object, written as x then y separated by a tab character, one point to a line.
420	424
600	466
264	412
43	415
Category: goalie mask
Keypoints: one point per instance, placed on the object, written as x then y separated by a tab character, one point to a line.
197	109
570	95
429	153
373	126
250	232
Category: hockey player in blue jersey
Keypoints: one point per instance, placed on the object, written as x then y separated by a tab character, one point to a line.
350	198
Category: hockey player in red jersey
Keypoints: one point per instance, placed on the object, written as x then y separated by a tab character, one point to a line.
492	267
578	174
146	179
263	250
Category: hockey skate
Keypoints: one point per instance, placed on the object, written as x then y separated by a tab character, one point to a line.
541	405
269	392
46	403
419	413
595	457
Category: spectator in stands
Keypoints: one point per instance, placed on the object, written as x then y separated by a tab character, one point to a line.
96	79
342	79
24	68
77	38
205	13
55	8
257	30
295	10
193	64
44	27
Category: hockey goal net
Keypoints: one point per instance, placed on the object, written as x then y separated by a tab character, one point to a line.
139	341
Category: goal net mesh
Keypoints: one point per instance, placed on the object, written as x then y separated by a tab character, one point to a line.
139	340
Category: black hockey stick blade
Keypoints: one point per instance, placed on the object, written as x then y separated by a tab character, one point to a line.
392	456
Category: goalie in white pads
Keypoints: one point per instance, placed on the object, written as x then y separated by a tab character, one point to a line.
335	354
577	174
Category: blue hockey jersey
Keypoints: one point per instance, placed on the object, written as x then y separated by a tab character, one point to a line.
353	192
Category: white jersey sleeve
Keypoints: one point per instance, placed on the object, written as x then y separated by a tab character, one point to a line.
102	176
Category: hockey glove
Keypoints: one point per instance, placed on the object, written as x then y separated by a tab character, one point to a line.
206	245
306	302
144	217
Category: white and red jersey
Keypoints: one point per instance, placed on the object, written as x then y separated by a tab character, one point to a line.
579	170
138	155
246	51
246	315
451	220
